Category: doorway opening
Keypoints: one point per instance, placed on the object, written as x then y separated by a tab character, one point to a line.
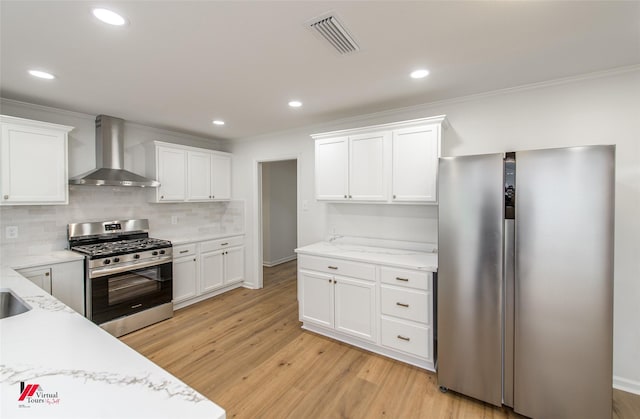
277	216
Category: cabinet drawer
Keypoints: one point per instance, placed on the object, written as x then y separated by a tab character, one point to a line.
413	339
184	250
221	243
337	267
406	277
406	303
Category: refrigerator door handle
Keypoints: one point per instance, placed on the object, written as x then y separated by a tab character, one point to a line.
508	321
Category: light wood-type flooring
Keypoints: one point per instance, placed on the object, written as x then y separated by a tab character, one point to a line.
245	351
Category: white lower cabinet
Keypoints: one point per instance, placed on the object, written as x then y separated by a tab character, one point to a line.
65	281
344	304
383	309
355	307
185	277
204	269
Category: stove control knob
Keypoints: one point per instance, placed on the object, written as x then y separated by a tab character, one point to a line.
107	261
154	253
116	260
136	256
162	252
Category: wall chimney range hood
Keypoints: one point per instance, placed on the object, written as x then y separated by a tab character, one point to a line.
109	169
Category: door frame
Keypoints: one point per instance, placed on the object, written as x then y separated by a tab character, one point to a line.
257	210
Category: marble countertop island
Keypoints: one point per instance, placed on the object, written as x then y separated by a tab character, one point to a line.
54	363
402	255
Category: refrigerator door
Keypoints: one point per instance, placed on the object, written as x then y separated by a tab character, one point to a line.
470	264
564	282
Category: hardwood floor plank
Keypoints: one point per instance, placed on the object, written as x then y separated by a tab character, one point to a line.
246	351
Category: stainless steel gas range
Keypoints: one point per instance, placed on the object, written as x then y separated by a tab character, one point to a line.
128	275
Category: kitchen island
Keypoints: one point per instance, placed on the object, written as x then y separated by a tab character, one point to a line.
54	363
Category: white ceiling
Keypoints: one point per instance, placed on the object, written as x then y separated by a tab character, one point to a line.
180	64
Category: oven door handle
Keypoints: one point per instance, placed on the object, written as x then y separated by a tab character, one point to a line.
100	272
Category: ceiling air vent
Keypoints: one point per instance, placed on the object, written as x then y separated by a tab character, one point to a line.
330	28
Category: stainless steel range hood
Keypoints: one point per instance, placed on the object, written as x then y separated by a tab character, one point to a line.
109	169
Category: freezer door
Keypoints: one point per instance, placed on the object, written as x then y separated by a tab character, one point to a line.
470	264
564	282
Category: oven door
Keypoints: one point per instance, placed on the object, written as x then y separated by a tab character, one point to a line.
123	293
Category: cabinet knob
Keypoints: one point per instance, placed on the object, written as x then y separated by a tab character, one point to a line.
161	196
6	197
345	196
394	197
210	197
350	197
46	274
213	197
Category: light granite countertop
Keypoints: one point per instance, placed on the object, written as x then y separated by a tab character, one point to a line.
80	370
59	256
398	257
178	240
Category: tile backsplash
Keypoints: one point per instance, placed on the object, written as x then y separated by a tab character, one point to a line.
43	228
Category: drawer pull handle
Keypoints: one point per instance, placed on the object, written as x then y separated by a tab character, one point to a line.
183	251
404	338
136	306
332	267
223	244
402	305
402	279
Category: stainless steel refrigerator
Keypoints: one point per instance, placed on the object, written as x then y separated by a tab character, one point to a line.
525	280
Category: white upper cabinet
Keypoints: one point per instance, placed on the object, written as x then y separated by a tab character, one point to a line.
390	163
189	173
199	179
172	165
415	163
332	169
220	176
33	155
367	168
352	168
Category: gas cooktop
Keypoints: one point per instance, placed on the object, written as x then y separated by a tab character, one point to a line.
121	247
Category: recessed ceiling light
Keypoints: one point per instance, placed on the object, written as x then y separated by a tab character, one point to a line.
42	74
218	122
419	74
107	16
295	103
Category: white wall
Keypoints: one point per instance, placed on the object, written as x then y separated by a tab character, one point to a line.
279	221
594	109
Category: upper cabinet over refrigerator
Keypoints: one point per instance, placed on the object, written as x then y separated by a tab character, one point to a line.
390	163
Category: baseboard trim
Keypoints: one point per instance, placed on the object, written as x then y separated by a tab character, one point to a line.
627	385
271	264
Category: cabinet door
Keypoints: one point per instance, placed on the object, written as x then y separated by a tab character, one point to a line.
355	310
415	164
367	174
172	174
234	265
185	275
332	169
199	177
67	284
39	276
211	270
316	298
221	176
34	165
